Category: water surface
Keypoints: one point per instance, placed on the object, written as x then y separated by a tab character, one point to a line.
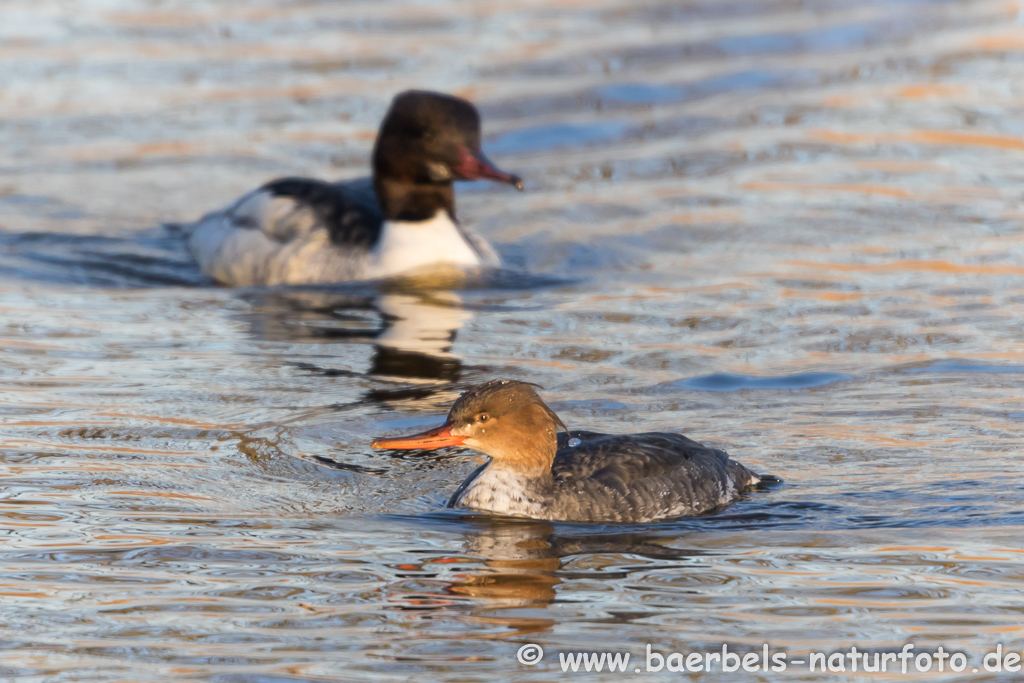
790	229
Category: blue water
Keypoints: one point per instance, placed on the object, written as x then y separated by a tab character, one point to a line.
727	382
790	231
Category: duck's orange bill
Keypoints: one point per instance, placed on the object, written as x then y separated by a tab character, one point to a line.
439	437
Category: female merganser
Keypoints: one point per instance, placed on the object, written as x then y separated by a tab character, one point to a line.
302	231
579	476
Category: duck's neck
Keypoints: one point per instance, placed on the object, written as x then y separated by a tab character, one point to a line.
527	445
406	246
527	458
506	491
518	480
404	200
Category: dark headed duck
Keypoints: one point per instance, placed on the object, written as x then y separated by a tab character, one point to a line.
400	221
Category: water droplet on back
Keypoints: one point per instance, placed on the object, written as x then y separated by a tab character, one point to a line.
574	442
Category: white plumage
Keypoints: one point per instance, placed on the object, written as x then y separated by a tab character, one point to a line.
268	240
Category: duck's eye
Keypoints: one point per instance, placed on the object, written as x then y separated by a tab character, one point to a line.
483	417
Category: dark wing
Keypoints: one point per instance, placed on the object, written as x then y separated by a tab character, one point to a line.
349	211
628	457
640	477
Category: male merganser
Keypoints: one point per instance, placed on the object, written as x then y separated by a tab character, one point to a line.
302	231
579	476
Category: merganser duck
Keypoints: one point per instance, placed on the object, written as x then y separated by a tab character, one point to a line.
303	231
579	476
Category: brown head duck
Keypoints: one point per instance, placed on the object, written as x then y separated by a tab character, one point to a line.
534	471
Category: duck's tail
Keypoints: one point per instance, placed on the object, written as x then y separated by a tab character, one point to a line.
742	477
768	481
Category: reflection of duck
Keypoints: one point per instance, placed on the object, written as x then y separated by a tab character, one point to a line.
589	478
300	231
521	564
411	332
417	339
520	561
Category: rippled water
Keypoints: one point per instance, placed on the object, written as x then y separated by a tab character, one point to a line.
791	229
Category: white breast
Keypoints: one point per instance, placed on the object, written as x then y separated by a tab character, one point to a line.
408	246
498	490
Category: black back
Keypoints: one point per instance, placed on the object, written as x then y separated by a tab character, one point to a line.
349	211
